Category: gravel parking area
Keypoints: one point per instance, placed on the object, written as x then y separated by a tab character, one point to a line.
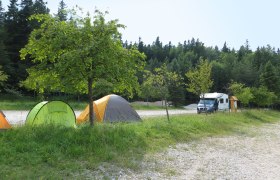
252	155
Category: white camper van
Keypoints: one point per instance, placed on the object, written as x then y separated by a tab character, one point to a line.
213	102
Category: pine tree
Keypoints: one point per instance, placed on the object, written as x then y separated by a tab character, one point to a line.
40	7
62	13
18	28
2	15
11	27
24	25
225	49
10	42
4	61
270	78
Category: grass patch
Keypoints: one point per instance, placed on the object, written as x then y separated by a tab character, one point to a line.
60	153
17	105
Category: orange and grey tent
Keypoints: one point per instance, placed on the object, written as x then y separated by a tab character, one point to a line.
111	108
84	116
3	121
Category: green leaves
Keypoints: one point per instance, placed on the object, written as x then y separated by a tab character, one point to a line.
157	84
243	93
80	49
263	97
200	78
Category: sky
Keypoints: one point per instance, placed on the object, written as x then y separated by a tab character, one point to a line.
213	22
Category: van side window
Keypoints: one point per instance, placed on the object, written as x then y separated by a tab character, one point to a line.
226	100
221	101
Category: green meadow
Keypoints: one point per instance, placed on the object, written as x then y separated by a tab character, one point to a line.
49	152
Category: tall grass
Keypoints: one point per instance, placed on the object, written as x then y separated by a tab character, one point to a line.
58	153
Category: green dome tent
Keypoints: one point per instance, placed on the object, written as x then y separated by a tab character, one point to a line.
53	112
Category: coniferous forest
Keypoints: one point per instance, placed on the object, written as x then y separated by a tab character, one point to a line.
254	70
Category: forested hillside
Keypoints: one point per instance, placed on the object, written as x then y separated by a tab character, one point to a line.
257	69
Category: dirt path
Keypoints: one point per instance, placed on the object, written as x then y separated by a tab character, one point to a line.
252	155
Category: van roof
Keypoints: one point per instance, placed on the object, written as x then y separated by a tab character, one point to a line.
213	95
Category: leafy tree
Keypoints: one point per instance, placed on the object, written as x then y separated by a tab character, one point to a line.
147	90
158	84
62	13
102	87
199	79
72	56
244	94
263	97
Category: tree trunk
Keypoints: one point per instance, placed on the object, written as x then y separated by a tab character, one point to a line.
166	108
91	112
204	104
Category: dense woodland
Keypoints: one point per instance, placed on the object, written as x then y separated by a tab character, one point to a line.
252	69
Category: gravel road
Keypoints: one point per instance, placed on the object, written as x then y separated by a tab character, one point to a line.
19	117
253	155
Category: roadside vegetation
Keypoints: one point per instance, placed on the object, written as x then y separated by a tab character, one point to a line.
54	152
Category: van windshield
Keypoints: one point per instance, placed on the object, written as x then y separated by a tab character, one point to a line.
207	101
